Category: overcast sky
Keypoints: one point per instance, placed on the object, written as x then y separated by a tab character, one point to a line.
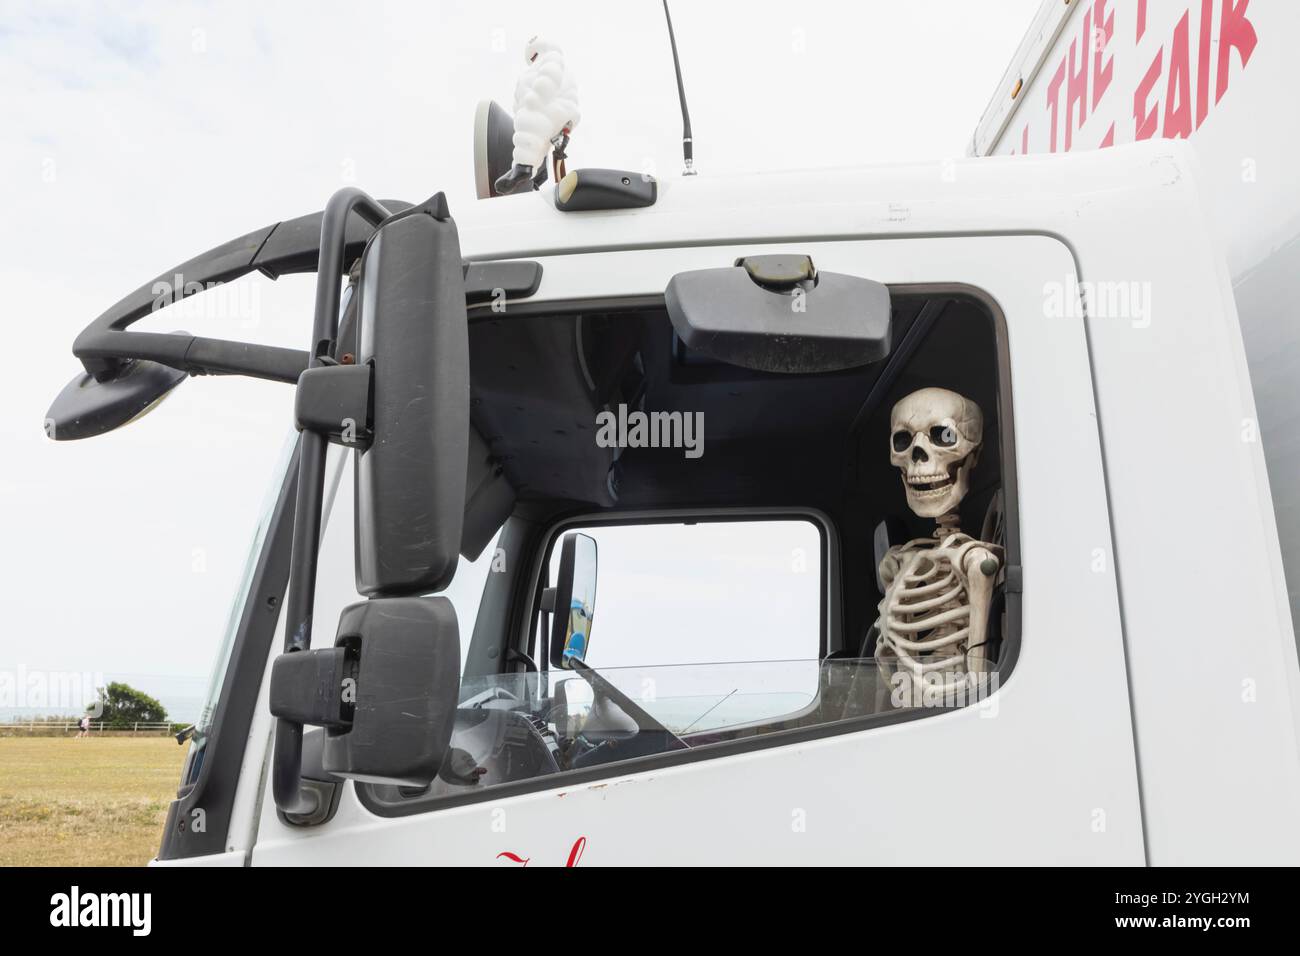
136	135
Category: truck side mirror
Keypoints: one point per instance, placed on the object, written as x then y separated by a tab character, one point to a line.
575	601
86	408
413	331
386	692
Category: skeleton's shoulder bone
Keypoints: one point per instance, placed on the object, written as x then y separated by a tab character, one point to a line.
971	555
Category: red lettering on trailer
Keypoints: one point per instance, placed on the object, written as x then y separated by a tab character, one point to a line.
1076	87
1186	80
1203	63
1178	120
1103	29
1053	91
1146	121
1234	31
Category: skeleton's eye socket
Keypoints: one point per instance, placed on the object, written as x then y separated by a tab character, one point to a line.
945	436
902	441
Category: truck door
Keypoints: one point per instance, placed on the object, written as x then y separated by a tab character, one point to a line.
781	765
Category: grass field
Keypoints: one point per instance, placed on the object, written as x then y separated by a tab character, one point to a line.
94	802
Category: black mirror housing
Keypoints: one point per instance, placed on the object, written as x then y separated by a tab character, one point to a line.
86	407
777	313
404	695
413	331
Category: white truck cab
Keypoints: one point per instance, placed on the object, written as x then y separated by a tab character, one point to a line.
1141	701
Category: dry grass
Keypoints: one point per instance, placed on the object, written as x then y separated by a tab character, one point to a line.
94	802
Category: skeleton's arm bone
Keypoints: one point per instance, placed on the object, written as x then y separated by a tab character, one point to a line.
981	568
889	564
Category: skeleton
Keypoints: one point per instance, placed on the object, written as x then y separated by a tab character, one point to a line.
934	615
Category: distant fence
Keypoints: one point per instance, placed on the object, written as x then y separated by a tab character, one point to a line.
98	728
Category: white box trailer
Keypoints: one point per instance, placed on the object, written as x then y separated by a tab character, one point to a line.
1092	74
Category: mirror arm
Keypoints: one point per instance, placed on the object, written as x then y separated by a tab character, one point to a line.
282	248
290	796
102	349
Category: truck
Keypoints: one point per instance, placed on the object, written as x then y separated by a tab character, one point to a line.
601	484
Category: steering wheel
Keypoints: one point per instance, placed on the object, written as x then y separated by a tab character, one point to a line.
648	728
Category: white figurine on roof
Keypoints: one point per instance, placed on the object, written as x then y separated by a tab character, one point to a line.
546	112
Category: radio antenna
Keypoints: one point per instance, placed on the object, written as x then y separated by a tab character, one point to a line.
688	152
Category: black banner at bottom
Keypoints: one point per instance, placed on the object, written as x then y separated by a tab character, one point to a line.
198	905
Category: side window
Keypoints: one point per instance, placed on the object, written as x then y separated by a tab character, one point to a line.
466	593
693	633
648	636
703	592
707	624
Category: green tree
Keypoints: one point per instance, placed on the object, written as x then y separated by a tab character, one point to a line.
121	705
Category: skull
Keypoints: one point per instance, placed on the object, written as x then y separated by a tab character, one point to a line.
934	438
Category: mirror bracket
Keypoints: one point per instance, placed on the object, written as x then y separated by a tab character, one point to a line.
780	273
286	761
310	687
335	401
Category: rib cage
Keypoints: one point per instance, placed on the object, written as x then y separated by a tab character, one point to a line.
925	613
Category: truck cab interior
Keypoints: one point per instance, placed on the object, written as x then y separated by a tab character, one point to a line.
771	451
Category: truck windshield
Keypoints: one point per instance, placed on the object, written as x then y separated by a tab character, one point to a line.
203	725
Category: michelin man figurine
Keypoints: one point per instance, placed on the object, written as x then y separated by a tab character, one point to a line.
546	112
934	615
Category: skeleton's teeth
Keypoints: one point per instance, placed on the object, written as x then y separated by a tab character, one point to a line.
929	484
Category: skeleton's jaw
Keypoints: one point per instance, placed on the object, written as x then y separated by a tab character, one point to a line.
931	494
929	484
932	502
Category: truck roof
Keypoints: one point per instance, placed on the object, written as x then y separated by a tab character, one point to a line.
984	196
